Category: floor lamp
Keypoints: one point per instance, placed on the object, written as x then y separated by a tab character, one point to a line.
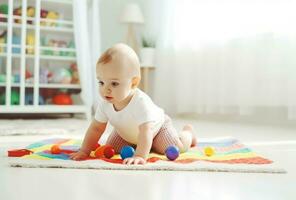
132	15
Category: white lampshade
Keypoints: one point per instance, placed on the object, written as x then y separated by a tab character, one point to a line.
132	14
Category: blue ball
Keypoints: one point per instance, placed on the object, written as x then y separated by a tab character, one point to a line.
127	152
172	152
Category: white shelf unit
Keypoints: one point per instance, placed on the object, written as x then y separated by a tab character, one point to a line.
11	61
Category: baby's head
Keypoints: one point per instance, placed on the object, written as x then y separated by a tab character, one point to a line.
118	72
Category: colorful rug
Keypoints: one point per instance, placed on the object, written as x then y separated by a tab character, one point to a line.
229	156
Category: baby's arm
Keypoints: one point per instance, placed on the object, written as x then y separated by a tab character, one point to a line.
93	134
145	140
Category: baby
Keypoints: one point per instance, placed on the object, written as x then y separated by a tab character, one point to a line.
137	121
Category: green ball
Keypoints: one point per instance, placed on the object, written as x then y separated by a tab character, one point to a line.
4	9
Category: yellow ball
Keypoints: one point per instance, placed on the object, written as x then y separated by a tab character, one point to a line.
209	151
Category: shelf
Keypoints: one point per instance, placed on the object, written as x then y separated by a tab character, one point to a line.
45	109
42	28
58	1
43	57
44	85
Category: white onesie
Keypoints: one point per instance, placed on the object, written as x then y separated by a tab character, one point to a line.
126	122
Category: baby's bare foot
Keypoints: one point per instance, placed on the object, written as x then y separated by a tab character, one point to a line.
189	128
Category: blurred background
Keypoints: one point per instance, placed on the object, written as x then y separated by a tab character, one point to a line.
214	59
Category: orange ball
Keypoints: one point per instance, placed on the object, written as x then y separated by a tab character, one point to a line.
99	152
55	149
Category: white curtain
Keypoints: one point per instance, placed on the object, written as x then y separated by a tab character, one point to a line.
227	56
88	45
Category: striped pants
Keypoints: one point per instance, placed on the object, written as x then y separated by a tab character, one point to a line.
166	136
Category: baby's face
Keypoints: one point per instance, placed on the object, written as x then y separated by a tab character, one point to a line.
114	83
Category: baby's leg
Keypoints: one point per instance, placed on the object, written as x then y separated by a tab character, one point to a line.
187	137
117	142
168	136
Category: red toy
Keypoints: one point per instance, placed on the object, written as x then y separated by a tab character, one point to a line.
109	152
19	152
104	151
62	99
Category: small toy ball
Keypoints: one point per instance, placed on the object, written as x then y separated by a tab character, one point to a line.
99	152
172	152
62	99
127	152
209	151
55	149
109	151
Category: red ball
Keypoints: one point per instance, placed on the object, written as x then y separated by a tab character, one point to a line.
62	99
109	152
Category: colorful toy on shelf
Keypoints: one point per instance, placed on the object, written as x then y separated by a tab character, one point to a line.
15	78
46	42
30	40
127	152
16	40
28	74
75	75
43	13
172	152
61	75
45	75
71	45
63	44
3	41
29	100
14	98
3	11
30	13
62	99
52	16
17	12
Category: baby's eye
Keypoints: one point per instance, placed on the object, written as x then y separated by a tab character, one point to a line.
101	83
114	84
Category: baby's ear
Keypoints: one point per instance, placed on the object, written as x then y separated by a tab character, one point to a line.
135	82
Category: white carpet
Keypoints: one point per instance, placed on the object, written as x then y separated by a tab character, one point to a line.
160	165
43	126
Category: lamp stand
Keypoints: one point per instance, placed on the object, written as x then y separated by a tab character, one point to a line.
131	39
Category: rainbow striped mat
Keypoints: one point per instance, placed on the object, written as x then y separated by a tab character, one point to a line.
230	156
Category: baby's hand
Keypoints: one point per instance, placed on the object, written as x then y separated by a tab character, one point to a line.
80	155
134	160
